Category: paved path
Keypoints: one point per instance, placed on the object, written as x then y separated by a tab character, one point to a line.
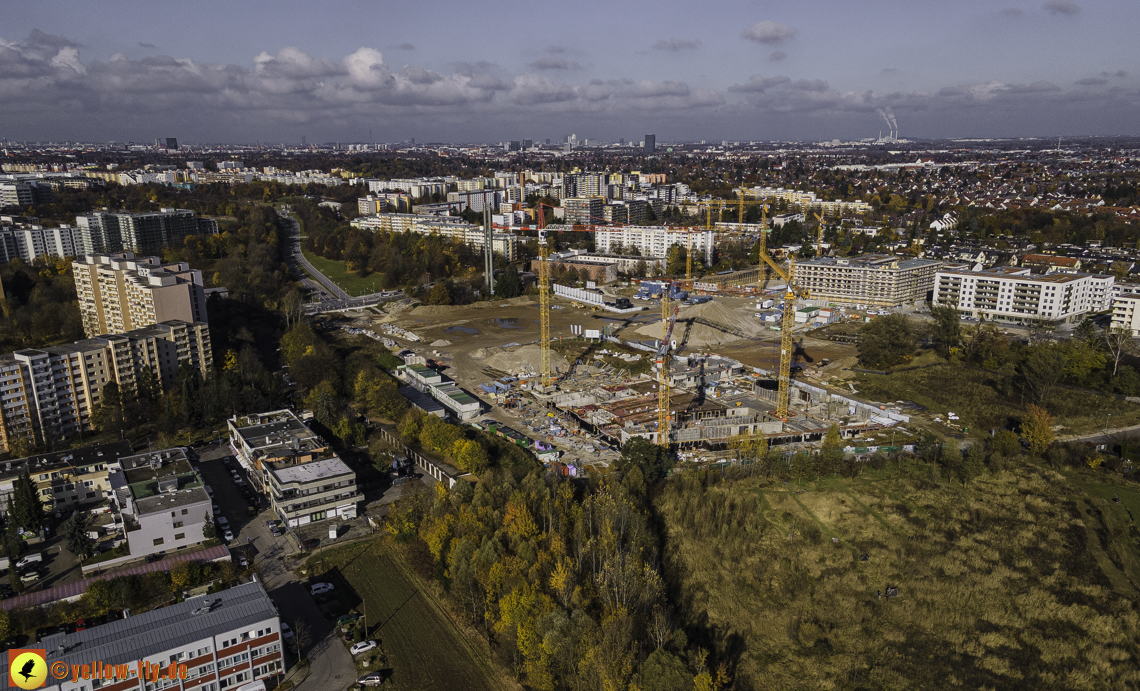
1101	437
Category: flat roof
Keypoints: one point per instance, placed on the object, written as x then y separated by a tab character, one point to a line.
144	635
77	458
311	472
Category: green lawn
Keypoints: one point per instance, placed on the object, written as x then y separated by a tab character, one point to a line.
423	648
349	281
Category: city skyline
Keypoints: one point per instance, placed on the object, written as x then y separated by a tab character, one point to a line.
737	71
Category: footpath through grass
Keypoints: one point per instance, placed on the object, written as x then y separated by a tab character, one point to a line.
425	650
349	281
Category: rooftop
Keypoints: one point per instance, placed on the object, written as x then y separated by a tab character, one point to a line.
871	261
311	472
74	458
144	635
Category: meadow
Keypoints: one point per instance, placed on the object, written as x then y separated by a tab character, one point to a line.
1024	578
422	647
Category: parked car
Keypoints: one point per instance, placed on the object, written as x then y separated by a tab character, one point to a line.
371	679
362	647
28	559
80	625
228	536
223	521
216	509
275	531
350	618
209	490
320	588
30	577
286	632
243	561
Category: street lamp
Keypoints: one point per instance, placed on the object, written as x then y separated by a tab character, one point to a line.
1106	423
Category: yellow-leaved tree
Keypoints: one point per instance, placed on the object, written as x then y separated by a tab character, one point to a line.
1037	429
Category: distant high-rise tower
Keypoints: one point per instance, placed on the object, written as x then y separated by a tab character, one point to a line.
304	141
650	142
171	144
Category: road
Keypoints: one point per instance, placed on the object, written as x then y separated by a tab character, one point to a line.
1102	437
330	665
299	257
330	298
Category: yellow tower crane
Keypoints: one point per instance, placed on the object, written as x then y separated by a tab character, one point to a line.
787	348
544	303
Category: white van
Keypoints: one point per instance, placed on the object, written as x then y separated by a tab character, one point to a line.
33	558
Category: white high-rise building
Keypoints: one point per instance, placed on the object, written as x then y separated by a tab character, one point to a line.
655	241
1014	294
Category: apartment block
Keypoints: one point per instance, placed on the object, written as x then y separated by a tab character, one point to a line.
312	492
476	199
655	241
24	193
383	202
585	185
874	280
278	436
453	227
1015	294
584	211
50	393
228	640
30	242
119	292
104	231
1126	313
65	480
160	501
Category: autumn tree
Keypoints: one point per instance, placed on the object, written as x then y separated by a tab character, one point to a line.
1037	429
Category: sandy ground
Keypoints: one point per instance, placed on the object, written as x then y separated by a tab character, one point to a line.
471	339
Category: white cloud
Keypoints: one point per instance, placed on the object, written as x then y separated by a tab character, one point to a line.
769	32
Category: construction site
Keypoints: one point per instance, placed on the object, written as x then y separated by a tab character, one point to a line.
695	374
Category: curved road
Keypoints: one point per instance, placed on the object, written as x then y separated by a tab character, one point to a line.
299	257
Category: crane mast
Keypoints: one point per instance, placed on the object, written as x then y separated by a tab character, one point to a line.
543	302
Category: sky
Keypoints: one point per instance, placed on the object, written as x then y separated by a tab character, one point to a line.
357	71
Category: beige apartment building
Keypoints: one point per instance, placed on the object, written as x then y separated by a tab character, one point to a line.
874	280
119	292
50	393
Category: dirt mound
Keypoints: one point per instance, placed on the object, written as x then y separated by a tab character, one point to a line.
440	343
706	318
447	310
518	360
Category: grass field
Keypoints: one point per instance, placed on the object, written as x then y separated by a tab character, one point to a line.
424	649
983	399
1027	578
349	281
